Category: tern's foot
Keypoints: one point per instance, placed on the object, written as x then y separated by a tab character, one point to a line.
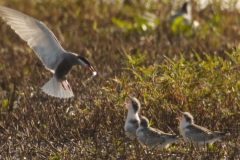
63	85
68	85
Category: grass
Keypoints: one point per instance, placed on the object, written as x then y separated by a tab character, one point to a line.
195	71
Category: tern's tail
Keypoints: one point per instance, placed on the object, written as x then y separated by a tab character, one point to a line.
58	89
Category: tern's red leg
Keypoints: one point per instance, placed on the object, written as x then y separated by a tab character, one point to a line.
68	85
63	86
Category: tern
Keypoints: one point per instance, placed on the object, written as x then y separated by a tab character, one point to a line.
132	123
198	134
46	46
150	137
185	13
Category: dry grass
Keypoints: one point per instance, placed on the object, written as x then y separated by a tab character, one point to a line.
90	125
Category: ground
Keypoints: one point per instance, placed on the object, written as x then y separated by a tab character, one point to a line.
132	47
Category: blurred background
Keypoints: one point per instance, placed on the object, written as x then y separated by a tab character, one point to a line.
135	50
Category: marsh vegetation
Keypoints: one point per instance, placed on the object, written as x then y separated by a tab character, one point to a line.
134	51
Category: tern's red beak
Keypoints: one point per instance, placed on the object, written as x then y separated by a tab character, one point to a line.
179	119
90	68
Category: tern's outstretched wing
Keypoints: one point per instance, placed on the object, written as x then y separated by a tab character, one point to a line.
37	36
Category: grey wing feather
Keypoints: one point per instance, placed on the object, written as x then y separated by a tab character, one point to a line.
37	36
155	136
198	133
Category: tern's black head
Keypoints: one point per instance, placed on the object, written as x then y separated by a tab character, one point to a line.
85	60
184	7
188	117
144	122
135	104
